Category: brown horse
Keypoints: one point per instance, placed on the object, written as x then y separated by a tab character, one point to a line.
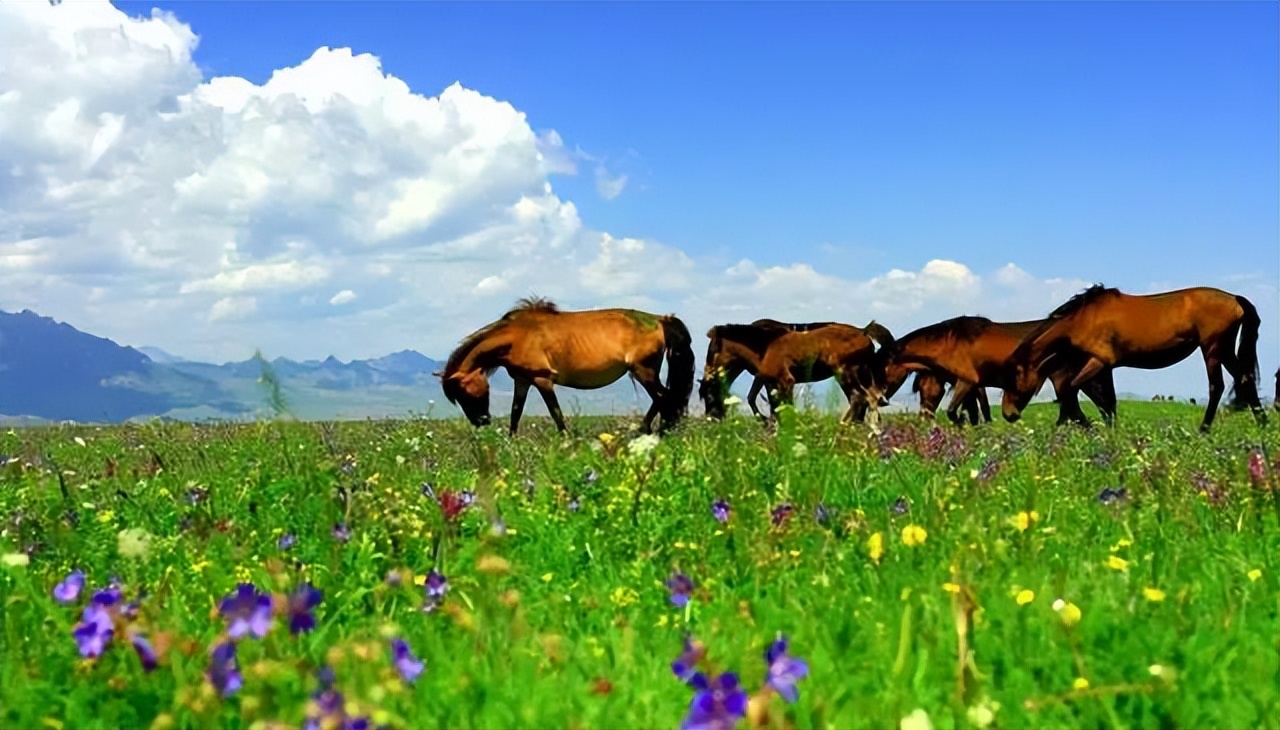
846	352
735	348
974	352
932	386
1100	329
1276	403
541	346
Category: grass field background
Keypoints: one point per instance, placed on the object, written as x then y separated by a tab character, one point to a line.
928	576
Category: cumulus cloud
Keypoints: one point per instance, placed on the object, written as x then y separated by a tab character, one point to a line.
138	196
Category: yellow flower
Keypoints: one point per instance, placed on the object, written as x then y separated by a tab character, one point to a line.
1155	595
15	560
606	438
983	713
1080	683
913	535
950	587
875	546
917	720
1024	520
546	577
106	516
1024	597
1068	612
1122	543
1115	562
624	596
1254	575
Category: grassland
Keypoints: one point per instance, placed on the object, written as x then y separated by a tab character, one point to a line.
1005	576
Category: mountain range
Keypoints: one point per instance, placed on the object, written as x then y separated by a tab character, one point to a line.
51	371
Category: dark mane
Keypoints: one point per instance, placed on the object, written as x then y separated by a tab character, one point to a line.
1076	302
964	327
788	326
753	334
531	304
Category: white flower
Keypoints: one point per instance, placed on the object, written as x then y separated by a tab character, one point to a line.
642	445
1059	604
732	400
917	720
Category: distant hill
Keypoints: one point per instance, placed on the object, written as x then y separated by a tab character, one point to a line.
50	371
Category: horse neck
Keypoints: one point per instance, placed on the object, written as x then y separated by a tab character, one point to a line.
487	354
743	353
930	349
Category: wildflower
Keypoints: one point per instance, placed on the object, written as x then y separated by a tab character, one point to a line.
685	667
1254	575
436	586
983	714
224	673
300	606
468	497
1024	520
451	504
606	438
680	586
821	514
146	652
575	504
950	587
875	546
917	720
95	629
341	532
913	535
1115	562
196	495
246	611
720	511
642	445
988	472
406	663
1257	468
1024	597
900	506
718	705
784	670
1154	595
781	513
1068	612
286	541
799	450
623	596
493	565
497	528
1080	684
1113	496
69	588
427	490
590	476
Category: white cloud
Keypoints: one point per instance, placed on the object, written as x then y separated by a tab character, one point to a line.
137	196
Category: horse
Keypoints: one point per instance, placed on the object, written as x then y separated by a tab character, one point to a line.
1103	328
973	352
932	386
541	346
846	352
1276	402
734	348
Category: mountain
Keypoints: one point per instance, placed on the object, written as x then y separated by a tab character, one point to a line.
50	371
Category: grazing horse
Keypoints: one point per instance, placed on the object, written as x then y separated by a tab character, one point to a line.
974	352
734	348
846	352
1100	329
541	346
1276	403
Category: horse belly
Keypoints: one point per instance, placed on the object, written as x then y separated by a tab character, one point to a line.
592	378
1158	359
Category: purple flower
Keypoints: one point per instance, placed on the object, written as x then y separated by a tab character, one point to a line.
590	477
341	532
821	514
988	471
224	674
785	670
718	705
300	605
94	631
146	652
246	611
348	465
686	665
1111	496
406	663
468	497
781	514
680	586
69	589
437	585
1257	468
286	541
197	495
720	511
900	506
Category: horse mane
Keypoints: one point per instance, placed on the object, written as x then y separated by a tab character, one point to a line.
773	324
531	304
1074	304
965	327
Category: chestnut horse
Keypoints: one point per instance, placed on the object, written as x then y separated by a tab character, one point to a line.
1100	329
973	353
846	352
541	346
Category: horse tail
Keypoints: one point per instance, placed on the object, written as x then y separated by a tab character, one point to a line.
1244	389
679	348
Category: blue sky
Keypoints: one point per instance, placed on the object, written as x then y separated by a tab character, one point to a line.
211	181
1102	141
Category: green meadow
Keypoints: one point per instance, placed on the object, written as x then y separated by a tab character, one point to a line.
927	576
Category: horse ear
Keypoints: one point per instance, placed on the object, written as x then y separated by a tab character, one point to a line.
438	374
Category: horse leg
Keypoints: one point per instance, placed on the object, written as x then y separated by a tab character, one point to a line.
984	404
1068	400
544	386
959	394
753	397
971	406
1102	391
1212	364
648	377
517	403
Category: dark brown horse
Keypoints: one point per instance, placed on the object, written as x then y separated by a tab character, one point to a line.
1100	329
542	347
974	352
1276	403
737	348
932	386
846	352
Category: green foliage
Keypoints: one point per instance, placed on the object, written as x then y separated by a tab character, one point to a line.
1175	581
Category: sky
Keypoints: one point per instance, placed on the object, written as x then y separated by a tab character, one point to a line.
360	178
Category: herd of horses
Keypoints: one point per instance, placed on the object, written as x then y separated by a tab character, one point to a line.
1076	348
